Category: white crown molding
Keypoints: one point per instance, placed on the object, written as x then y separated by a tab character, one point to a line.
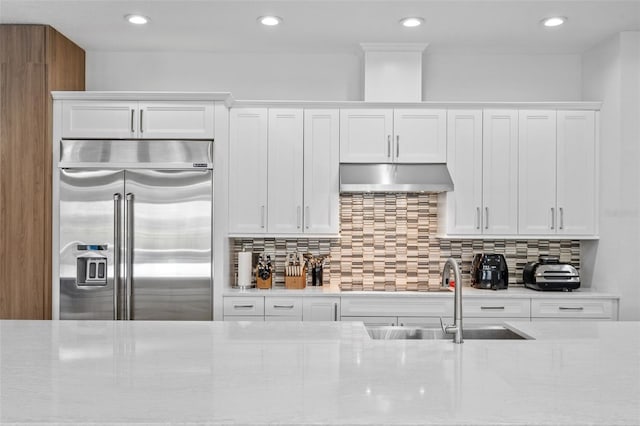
225	97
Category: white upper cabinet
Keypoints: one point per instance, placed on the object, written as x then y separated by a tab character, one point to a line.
99	119
537	172
464	152
482	154
500	172
387	135
420	135
176	120
285	171
132	119
557	173
576	173
321	171
248	189
365	135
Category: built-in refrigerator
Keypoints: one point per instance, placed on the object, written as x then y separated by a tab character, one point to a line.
135	229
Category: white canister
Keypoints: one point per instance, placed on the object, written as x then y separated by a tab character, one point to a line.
244	269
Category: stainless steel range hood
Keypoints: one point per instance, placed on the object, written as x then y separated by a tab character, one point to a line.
356	177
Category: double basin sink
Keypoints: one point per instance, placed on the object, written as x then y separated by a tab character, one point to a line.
419	333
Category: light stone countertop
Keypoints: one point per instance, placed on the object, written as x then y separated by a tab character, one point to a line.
302	373
511	292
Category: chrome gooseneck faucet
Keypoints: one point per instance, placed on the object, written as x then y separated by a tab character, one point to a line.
456	327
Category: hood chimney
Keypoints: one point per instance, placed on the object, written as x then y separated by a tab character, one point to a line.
393	72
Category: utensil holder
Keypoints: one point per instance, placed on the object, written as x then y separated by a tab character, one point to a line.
296	281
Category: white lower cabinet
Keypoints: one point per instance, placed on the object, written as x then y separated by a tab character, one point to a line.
495	310
321	309
243	308
606	309
282	308
418	311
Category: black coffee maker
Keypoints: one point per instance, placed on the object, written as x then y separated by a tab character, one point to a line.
489	271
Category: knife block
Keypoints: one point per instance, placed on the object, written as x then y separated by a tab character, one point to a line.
296	281
264	284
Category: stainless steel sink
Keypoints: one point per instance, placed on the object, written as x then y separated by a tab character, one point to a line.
415	333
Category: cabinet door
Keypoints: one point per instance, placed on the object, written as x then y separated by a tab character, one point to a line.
537	172
420	135
576	183
248	170
500	172
321	309
464	147
98	119
176	120
365	135
285	171
321	171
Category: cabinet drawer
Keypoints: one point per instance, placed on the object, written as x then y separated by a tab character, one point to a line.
496	308
574	308
283	306
244	306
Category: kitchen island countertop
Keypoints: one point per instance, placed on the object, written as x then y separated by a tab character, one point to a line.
573	373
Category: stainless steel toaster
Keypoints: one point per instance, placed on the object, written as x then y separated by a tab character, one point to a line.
549	274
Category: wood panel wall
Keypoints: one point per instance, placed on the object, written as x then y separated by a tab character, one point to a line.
34	60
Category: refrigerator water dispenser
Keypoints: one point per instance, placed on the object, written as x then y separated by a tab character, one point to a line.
91	266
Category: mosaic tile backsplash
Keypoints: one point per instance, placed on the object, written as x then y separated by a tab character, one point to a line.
389	242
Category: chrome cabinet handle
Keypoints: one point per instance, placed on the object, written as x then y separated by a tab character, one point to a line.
141	123
242	306
299	217
561	218
553	218
262	216
282	306
492	308
397	146
132	114
477	217
116	253
389	146
486	218
335	311
307	216
570	308
128	248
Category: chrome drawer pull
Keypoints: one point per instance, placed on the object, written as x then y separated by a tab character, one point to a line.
242	306
283	306
568	308
492	308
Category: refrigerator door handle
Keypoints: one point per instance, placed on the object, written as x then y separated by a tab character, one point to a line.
128	244
117	244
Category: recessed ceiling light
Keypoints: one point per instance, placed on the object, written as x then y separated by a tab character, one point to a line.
270	21
412	22
137	19
554	21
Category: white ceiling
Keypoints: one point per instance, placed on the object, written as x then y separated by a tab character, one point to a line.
506	26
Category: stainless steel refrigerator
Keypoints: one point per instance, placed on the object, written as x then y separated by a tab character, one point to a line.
135	229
